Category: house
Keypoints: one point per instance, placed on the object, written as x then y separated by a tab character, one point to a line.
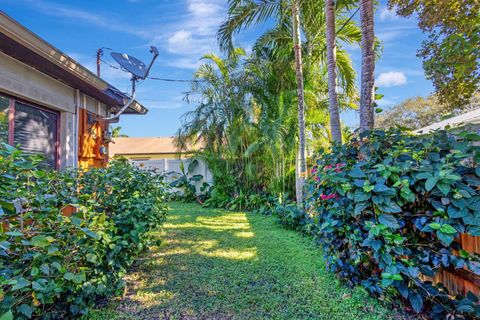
469	121
160	154
52	105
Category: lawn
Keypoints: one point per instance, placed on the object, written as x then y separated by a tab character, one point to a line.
218	264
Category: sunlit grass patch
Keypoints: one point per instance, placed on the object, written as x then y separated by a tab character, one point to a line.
216	264
244	234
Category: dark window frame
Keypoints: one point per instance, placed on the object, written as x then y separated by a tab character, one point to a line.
11	123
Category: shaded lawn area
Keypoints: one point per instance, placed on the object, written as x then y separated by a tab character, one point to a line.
217	264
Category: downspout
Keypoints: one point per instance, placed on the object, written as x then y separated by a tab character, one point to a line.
76	128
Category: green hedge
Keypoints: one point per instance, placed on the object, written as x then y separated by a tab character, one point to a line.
388	209
56	266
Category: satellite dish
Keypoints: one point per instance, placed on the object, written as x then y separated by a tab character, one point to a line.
131	64
137	68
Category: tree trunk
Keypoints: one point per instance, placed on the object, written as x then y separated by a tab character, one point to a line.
368	66
335	126
302	164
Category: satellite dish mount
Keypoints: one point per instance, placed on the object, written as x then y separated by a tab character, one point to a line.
137	69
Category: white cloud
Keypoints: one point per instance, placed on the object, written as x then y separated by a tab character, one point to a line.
180	41
194	33
101	20
203	8
386	14
184	63
115	77
188	35
391	79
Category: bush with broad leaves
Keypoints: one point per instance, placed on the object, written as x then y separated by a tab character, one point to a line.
55	265
388	210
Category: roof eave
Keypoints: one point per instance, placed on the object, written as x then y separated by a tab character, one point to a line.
23	45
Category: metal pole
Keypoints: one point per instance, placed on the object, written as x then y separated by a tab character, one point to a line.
99	60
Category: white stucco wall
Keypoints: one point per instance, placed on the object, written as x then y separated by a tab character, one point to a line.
171	167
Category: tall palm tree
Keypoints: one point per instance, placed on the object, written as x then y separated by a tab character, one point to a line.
367	117
335	126
302	155
244	13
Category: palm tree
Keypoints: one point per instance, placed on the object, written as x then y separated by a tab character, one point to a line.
335	126
244	13
297	48
367	116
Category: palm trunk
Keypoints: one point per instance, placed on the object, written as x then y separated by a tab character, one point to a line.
367	118
335	126
301	168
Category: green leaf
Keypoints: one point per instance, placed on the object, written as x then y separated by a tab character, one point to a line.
7	315
423	176
397	277
356	172
20	284
39	285
447	239
448	229
416	301
359	207
26	310
14	233
430	183
390	206
90	233
41	241
465	308
444	188
435	226
34	272
77	278
388	220
380	188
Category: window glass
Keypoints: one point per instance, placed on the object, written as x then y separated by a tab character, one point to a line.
4	107
35	132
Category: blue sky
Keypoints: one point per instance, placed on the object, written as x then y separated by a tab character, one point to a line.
184	30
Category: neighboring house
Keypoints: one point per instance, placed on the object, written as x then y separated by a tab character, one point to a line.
159	153
469	121
52	105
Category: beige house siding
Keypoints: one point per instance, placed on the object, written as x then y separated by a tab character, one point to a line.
21	81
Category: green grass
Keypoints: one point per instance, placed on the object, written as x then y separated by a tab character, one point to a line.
217	264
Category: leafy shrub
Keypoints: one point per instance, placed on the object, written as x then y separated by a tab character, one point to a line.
187	182
387	212
57	266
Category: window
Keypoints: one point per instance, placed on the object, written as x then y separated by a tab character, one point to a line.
33	129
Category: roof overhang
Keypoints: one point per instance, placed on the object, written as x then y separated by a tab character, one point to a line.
471	118
25	46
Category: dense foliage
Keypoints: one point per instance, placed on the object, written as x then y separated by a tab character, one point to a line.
55	264
387	211
451	53
247	105
418	112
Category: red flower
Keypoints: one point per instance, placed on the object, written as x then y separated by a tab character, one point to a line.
331	196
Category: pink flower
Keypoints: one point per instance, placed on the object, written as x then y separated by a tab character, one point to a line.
331	196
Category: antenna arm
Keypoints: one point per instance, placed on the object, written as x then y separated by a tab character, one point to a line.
116	115
153	50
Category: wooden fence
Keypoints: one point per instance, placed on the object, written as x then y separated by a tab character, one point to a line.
462	281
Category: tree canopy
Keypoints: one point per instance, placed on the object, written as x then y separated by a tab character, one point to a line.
451	54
